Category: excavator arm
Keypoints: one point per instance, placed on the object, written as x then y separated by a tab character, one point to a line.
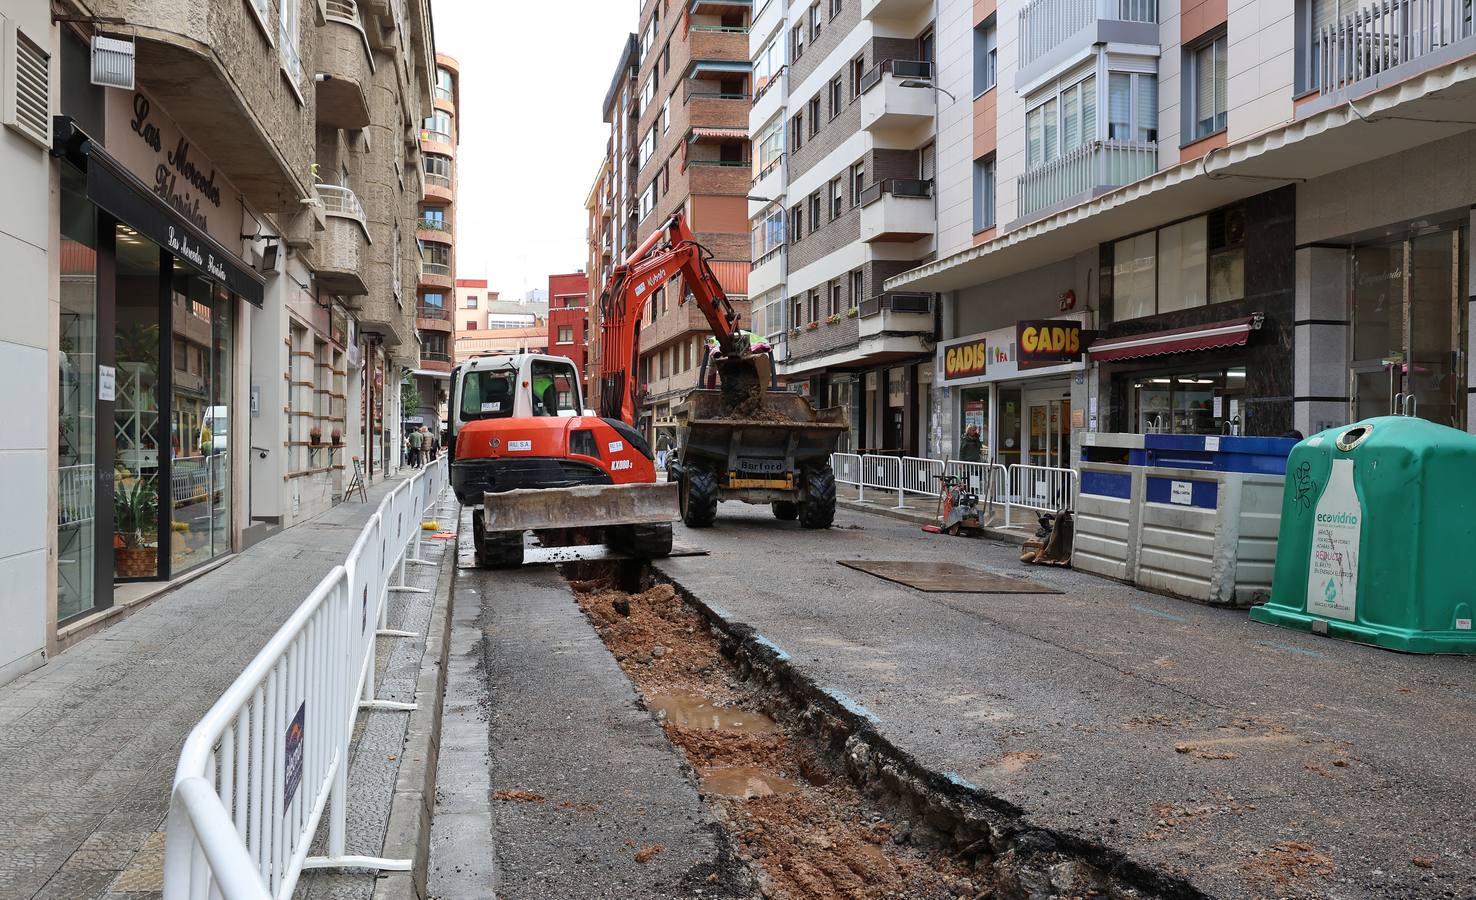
672	250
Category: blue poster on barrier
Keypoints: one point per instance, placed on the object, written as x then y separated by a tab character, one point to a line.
293	758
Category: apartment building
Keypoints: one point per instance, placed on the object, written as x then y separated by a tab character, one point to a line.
568	317
435	235
213	286
599	209
688	118
844	126
1247	218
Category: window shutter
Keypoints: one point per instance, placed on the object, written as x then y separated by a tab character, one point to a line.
1204	89
1221	73
1051	128
1070	119
27	86
1147	108
1089	109
1119	106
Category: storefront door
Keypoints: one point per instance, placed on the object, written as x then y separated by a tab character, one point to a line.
1048	435
1409	328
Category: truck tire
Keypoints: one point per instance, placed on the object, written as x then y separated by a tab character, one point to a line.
497	550
699	498
641	541
817	510
785	510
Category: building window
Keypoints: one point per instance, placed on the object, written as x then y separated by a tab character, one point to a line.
986	56
814	301
797	311
797	42
837	198
797	140
814	21
858	75
984	193
471	324
814	210
666	58
648	199
1205	94
1180	266
471	301
665	177
858	284
837	300
858	182
287	31
663	360
837	96
768	233
1062	123
797	222
566	334
835	8
814	115
1132	107
666	114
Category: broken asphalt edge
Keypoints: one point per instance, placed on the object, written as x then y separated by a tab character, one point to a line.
976	821
408	832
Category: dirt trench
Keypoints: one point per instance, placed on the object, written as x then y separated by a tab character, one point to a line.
819	805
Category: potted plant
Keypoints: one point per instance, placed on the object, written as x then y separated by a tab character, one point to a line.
812	326
135	522
833	319
852	312
336	436
315	435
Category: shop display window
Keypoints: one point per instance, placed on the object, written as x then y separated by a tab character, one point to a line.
1205	402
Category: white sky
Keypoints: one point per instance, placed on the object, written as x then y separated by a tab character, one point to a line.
533	80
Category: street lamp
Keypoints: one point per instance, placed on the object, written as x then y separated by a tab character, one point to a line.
914	83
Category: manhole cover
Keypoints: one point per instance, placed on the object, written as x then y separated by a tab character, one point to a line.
946	577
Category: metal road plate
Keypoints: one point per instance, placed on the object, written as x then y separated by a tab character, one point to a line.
946	577
552	556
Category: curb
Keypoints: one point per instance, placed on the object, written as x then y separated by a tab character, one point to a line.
408	832
998	534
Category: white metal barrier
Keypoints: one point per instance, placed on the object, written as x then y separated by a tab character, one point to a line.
1036	488
259	771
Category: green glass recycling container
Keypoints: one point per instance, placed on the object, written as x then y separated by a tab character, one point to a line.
1378	537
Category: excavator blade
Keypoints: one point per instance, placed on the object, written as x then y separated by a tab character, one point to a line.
584	506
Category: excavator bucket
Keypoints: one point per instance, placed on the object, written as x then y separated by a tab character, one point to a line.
580	506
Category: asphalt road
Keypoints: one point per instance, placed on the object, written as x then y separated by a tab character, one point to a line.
1253	761
574	791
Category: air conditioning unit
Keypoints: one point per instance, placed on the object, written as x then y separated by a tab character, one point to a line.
113	62
25	95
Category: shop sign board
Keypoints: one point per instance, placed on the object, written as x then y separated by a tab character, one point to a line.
1002	359
965	359
1047	342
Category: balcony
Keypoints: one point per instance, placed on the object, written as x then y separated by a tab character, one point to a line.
1053	32
436	275
1387	42
344	55
1083	173
771	180
897	103
897	210
438	187
344	256
767	271
896	312
435	360
432	318
894	9
437	230
433	140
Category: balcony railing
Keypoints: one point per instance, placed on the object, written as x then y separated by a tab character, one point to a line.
438	180
727	163
341	202
432	225
1083	170
1046	24
764	172
433	134
895	301
1386	34
725	29
441	269
919	69
444	93
426	311
435	356
345	11
897	187
717	95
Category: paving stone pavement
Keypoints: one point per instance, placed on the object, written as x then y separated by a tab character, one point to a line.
89	742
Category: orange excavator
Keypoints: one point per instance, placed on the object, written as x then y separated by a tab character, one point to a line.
530	457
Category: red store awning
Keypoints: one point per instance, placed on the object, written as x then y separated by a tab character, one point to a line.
1232	333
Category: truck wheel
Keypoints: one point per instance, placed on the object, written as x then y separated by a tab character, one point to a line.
817	510
785	510
699	498
641	541
498	550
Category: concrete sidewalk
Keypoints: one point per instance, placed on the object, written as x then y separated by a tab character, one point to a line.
1250	760
89	742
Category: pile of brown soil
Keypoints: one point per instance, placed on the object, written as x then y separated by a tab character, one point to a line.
817	837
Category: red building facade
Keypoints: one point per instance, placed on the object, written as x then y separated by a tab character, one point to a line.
568	316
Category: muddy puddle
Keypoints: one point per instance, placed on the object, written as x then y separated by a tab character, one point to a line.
796	819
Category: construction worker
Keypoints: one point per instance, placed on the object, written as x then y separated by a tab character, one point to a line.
545	396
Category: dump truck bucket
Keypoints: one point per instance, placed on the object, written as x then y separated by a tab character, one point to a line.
582	506
776	436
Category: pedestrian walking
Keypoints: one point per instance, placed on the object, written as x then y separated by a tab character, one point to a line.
427	446
972	448
413	441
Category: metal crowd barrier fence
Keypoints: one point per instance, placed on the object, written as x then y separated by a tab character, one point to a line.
258	773
1031	488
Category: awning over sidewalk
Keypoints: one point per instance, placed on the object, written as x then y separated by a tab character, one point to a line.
717	134
1234	333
